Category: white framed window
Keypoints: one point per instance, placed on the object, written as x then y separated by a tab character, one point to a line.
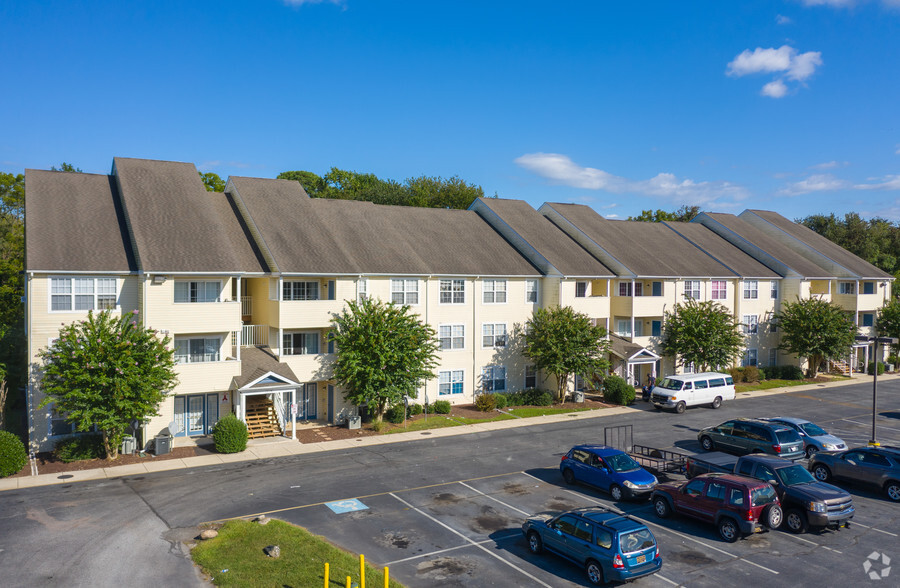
868	319
305	343
847	287
868	287
624	288
190	291
688	367
493	335
494	291
774	292
531	291
530	377
405	291
362	289
452	337
773	356
749	358
453	291
581	289
493	378
297	290
751	289
751	324
623	327
67	294
692	289
450	382
719	289
197	349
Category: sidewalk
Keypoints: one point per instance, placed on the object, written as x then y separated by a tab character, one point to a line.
277	447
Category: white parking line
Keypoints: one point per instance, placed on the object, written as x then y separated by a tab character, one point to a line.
440	551
475	543
518	510
870	424
873	528
795	537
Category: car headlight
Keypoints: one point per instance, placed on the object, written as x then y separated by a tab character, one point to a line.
816	507
829	446
631	485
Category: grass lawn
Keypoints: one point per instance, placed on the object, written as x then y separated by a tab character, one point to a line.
535	411
239	550
768	385
440	421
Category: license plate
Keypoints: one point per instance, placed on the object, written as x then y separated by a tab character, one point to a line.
641	558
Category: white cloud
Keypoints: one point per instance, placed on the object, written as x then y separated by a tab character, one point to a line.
302	2
830	165
562	170
783	20
898	149
889	182
835	3
775	89
785	60
814	183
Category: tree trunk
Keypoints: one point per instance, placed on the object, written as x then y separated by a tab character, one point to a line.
814	362
3	390
111	448
562	381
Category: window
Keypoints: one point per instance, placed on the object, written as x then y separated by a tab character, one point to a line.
847	287
749	358
530	377
405	291
494	291
531	291
197	291
638	288
692	289
604	539
453	292
773	357
868	288
623	327
751	324
197	350
716	491
300	344
774	290
300	291
82	293
719	289
694	487
657	288
656	328
493	379
624	288
580	289
450	382
452	337
736	497
638	328
868	319
493	335
688	367
751	289
362	289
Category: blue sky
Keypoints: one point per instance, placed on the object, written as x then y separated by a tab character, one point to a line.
792	106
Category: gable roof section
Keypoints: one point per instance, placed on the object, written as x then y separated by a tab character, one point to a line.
722	251
538	239
643	249
74	222
761	246
812	245
177	225
257	362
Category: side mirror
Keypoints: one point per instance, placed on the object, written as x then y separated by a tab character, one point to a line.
772	482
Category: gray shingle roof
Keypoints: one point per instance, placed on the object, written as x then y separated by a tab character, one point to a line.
73	223
259	361
817	242
729	255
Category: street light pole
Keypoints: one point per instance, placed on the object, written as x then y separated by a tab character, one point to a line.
875	341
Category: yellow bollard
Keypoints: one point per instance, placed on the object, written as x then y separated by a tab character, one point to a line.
326	575
348	581
362	571
386	577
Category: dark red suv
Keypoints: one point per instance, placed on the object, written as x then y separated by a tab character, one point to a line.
737	505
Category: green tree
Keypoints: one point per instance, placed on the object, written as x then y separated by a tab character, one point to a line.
107	371
212	182
876	240
383	353
815	329
313	184
563	343
437	192
66	167
888	321
702	333
12	254
683	214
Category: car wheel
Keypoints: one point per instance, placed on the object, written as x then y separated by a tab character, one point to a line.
616	492
822	473
569	476
892	489
535	545
774	516
810	451
661	506
594	572
717	402
657	407
707	444
679	408
728	530
795	521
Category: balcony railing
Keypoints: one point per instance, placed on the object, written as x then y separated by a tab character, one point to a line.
246	305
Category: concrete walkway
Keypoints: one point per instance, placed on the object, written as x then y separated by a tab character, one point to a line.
278	447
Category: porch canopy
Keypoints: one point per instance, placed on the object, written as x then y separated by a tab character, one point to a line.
262	373
631	355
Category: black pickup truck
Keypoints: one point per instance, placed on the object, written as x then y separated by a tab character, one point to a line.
806	501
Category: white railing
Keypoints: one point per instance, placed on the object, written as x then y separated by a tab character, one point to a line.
252	335
246	305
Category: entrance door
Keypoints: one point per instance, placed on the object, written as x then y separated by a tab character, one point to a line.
330	403
309	400
212	412
195	415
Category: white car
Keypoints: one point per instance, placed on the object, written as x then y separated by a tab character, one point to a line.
679	392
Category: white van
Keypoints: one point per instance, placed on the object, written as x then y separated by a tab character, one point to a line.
679	392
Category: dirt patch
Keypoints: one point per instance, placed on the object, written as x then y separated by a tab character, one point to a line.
48	463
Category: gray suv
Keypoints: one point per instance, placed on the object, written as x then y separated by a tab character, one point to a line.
876	466
742	436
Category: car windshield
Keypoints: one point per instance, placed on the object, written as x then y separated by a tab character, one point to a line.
793	475
636	540
670	384
812	429
786	435
621	462
762	495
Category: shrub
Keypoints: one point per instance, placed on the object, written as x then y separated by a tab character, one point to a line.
790	372
514	399
486	402
13	456
541	398
893	360
737	374
377	426
442	406
501	400
415	409
617	391
230	435
396	414
871	370
80	447
751	373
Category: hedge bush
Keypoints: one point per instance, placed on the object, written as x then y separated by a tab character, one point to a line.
230	435
13	456
395	414
486	402
81	447
737	374
617	391
415	409
501	400
441	406
871	370
751	373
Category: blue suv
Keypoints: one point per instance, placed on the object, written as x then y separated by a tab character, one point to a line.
609	469
610	546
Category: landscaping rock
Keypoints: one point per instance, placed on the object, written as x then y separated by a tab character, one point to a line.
209	534
272	551
263	520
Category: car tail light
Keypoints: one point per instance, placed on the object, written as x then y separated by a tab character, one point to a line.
564	458
617	561
777	448
749	515
657	552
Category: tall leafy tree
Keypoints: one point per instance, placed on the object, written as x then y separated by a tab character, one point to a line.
563	343
106	372
702	333
213	182
815	329
66	167
313	184
12	310
436	192
888	322
383	352
684	214
876	240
